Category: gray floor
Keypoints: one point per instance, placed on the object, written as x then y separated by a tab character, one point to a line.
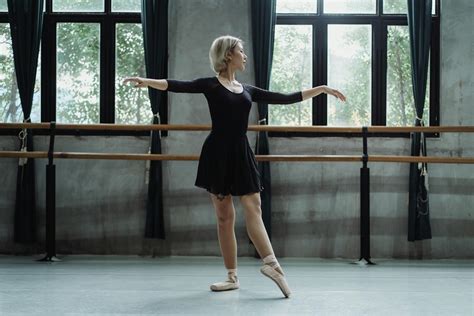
106	285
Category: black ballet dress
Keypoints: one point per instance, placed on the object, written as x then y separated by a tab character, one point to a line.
227	164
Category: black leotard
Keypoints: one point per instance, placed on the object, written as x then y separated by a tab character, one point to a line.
227	164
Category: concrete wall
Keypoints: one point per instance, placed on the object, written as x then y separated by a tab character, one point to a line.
101	204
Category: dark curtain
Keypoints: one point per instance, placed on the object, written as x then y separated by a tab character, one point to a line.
419	23
263	34
155	36
26	25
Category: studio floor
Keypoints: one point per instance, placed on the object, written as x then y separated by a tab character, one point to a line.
131	285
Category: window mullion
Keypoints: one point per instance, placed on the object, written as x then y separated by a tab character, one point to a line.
107	71
108	6
49	6
315	79
375	86
48	71
320	7
378	73
434	73
320	69
383	75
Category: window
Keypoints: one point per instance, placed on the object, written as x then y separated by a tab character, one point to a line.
91	46
78	6
131	105
358	46
349	68
10	104
400	103
292	50
126	5
78	77
296	6
350	6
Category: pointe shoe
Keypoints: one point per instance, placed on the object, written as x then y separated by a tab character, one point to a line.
277	277
232	283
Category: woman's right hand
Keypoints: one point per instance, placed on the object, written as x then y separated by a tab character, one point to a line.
335	93
139	82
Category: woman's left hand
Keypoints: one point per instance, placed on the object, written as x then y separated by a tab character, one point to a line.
335	93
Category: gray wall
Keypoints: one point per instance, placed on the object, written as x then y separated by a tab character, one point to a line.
101	204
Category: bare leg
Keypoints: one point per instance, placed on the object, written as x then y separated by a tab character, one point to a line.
225	213
255	227
258	235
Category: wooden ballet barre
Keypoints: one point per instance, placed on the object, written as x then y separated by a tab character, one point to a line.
268	128
424	129
300	158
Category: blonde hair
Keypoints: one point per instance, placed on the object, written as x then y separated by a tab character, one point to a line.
220	47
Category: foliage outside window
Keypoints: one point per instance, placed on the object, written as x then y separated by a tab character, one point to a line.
400	104
349	69
350	6
131	105
77	73
292	65
126	5
78	5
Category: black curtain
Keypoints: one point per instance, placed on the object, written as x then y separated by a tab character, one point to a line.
263	34
419	24
26	25
155	36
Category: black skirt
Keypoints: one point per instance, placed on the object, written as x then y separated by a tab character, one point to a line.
227	165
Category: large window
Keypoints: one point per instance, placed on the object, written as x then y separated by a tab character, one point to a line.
88	48
94	44
360	47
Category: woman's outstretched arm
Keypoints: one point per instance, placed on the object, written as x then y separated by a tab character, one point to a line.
199	85
311	93
261	95
159	84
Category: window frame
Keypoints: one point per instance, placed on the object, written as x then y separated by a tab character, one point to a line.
107	21
379	23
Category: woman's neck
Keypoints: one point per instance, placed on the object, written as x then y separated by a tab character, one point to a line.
228	75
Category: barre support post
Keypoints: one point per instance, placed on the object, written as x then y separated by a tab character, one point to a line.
365	204
51	201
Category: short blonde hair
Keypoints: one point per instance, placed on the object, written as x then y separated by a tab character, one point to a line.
220	47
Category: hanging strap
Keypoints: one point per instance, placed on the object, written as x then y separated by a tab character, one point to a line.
148	162
423	166
22	135
157	115
260	122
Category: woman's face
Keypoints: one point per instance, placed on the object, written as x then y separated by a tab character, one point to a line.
238	58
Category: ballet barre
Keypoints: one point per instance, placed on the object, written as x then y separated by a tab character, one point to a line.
298	158
52	127
254	128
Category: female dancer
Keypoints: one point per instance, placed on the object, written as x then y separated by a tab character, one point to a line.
227	165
